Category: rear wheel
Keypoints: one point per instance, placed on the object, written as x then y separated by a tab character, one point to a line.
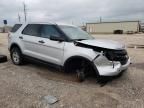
16	56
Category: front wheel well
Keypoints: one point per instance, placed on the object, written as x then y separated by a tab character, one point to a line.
76	62
14	45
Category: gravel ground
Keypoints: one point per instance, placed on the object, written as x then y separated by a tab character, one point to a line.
24	86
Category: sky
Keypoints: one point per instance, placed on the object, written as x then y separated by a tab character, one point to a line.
77	12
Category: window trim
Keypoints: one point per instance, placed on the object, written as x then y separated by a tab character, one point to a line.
66	38
27	26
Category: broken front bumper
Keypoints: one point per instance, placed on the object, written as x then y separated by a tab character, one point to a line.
109	68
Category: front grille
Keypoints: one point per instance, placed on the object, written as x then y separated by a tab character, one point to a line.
117	55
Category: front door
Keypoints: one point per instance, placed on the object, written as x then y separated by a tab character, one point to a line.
50	50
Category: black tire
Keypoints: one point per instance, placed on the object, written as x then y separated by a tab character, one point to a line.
16	56
3	58
80	75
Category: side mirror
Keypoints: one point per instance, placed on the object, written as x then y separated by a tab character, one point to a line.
56	38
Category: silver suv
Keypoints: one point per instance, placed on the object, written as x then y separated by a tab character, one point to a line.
68	47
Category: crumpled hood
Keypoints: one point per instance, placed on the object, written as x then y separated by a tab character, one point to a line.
109	44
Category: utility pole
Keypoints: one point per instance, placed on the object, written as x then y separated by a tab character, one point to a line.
25	11
19	18
83	24
100	19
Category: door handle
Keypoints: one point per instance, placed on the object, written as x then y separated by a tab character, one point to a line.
20	37
41	41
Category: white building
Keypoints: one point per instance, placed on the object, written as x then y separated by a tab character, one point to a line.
142	27
113	27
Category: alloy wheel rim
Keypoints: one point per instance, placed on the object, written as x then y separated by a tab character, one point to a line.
15	57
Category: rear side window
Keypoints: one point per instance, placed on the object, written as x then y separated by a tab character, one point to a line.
32	29
16	27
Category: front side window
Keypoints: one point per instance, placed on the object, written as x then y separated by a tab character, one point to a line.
75	33
32	29
49	30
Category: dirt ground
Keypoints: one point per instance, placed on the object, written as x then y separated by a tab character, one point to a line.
24	86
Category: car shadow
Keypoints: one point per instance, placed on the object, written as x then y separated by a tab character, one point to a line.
51	72
105	79
57	74
138	65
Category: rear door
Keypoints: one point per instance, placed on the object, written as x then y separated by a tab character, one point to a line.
30	40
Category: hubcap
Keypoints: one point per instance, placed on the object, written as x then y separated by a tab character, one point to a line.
15	57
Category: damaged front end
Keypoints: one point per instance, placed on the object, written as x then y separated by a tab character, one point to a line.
109	62
107	67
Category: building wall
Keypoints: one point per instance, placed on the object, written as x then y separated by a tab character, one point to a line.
111	27
5	29
1	30
142	27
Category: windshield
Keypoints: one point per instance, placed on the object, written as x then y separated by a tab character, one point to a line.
75	33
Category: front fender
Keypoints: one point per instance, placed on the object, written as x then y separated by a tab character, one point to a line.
71	50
